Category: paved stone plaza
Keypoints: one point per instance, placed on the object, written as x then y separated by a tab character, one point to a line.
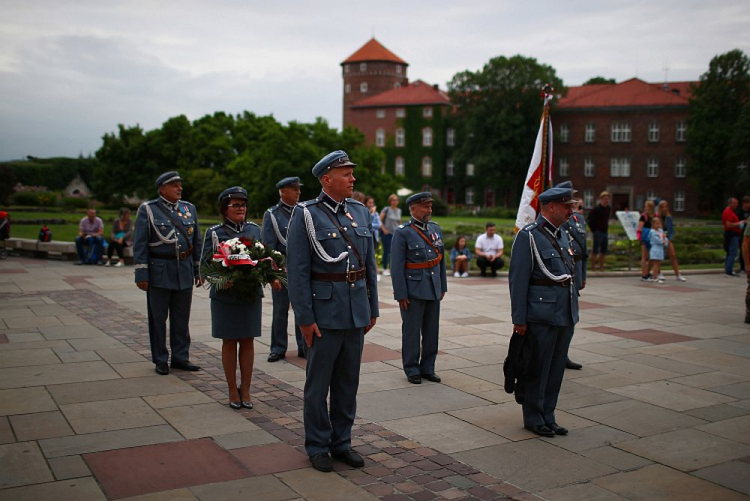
661	409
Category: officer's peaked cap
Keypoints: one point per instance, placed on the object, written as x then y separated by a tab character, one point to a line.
233	192
333	160
168	177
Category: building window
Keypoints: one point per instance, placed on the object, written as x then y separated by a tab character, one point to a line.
590	133
620	167
469	196
620	132
449	167
380	114
450	137
347	88
400	141
588	167
380	137
427	112
653	132
651	195
469	169
564	133
399	69
652	167
363	87
400	170
397	85
427	136
346	69
679	201
362	66
680	167
426	167
588	198
681	131
564	167
400	112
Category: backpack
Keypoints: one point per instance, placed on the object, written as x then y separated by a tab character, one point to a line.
45	234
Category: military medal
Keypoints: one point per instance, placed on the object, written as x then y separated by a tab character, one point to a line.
570	251
354	223
190	231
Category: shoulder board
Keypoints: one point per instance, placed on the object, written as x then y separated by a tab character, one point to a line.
273	208
404	225
435	224
352	201
252	222
308	203
185	202
400	225
530	226
214	227
150	202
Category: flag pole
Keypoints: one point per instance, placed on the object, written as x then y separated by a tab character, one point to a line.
546	94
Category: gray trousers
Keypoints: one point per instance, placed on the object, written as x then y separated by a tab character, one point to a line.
281	322
421	322
333	363
552	352
175	304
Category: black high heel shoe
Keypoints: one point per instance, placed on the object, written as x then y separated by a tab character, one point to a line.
246	405
236	405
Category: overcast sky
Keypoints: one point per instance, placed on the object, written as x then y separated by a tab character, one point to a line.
70	71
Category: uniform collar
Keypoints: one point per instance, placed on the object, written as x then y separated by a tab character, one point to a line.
236	227
332	204
169	205
549	227
419	224
283	205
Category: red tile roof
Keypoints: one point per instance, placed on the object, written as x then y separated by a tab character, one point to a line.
415	93
373	51
633	92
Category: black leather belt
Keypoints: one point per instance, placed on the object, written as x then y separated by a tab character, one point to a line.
550	282
349	277
180	257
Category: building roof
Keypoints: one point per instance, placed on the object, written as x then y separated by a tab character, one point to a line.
630	93
416	93
374	51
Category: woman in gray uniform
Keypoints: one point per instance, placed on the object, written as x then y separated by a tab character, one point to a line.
235	320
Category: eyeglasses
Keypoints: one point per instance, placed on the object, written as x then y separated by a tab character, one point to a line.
237	206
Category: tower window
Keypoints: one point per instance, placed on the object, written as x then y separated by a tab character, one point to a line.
362	66
363	87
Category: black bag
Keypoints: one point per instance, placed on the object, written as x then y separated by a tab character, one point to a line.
45	234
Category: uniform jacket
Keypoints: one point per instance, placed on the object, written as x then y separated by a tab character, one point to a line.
155	234
331	304
547	304
224	232
576	228
281	212
409	247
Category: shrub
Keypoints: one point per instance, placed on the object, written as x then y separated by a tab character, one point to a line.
75	202
24	198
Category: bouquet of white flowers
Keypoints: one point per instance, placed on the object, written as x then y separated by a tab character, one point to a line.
243	267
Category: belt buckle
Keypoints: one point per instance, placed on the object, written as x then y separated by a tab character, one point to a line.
351	276
183	255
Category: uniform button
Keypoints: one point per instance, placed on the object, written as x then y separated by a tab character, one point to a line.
540	299
432	273
313	295
352	266
346	229
348	246
352	286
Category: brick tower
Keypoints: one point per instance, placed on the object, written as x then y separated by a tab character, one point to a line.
369	71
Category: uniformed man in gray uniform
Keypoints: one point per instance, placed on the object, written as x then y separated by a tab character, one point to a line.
544	304
167	252
275	227
576	228
333	289
419	284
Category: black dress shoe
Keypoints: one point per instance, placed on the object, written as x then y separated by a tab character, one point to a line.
416	379
275	357
541	430
432	377
351	458
558	430
301	353
235	405
162	369
185	366
322	462
569	364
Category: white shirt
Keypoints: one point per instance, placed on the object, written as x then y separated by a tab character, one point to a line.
489	246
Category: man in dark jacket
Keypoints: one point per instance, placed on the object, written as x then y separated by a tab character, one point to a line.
599	223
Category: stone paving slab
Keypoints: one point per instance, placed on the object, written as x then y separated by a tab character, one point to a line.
22	464
108	440
79	489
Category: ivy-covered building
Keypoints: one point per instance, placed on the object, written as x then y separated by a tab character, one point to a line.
407	120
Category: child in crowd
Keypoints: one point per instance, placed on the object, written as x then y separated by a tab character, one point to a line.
659	242
460	257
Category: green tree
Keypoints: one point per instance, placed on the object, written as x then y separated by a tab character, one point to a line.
497	119
599	80
717	113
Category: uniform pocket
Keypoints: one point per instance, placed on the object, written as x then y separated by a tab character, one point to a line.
322	290
416	250
156	271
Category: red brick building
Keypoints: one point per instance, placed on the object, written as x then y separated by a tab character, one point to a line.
627	138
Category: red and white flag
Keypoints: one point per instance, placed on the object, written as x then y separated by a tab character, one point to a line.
538	172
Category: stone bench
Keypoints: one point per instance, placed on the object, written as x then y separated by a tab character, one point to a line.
65	251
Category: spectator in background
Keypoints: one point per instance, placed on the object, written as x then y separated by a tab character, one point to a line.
90	231
662	211
376	224
460	257
4	231
744	215
659	243
390	217
122	231
746	253
732	231
358	196
598	221
489	249
644	227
